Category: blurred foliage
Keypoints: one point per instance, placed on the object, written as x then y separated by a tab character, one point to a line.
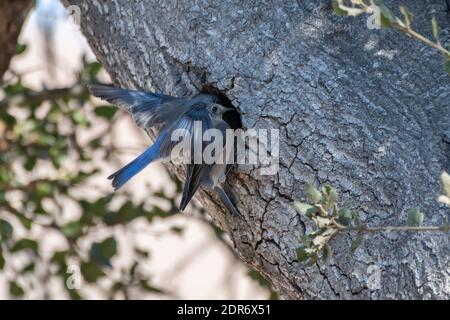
329	220
385	18
43	167
39	135
263	282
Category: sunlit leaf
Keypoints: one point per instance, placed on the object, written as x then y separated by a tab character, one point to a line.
445	181
302	208
406	15
436	29
445	200
313	193
330	197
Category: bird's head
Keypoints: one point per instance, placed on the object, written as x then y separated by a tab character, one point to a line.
212	104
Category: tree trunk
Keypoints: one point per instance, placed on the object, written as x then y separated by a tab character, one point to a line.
366	111
12	17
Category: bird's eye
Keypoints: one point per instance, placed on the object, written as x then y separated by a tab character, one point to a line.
214	109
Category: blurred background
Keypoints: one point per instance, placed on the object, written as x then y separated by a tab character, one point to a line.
63	233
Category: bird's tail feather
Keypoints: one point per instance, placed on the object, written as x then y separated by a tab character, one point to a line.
226	200
122	176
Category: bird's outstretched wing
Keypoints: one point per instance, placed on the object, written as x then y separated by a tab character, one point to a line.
148	109
187	127
163	145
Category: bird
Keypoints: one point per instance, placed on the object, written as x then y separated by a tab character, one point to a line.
211	176
152	109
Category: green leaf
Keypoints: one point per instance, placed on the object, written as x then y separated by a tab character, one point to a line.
102	252
302	255
20	48
14	89
93	69
28	268
313	193
436	29
386	16
177	230
26	222
6	229
91	271
30	163
2	259
356	243
25	244
217	231
142	253
149	288
306	240
338	10
330	197
407	16
59	257
345	217
44	189
79	118
106	112
72	229
15	289
415	218
447	66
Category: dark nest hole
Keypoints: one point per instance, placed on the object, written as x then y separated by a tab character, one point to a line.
233	118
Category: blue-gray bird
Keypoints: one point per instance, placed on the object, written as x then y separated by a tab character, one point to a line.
212	176
150	109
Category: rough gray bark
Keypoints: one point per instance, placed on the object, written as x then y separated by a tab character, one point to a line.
366	111
12	17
